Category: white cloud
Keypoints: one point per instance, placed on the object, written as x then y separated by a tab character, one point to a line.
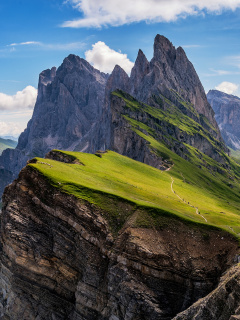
217	73
104	58
24	43
234	60
222	72
24	99
10	129
98	13
189	46
227	87
49	46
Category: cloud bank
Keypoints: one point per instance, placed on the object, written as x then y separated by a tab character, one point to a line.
24	99
98	13
10	129
104	58
227	87
16	110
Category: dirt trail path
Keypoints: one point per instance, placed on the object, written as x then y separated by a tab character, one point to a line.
187	203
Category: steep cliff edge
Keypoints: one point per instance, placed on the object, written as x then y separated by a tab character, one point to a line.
79	244
227	113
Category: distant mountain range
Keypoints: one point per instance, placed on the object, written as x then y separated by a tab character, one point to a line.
10	137
7	143
227	114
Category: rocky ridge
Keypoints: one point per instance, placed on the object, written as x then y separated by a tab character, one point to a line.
227	113
74	112
60	258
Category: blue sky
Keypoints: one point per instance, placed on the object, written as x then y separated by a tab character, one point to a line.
36	35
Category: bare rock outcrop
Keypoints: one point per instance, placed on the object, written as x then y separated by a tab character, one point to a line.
221	304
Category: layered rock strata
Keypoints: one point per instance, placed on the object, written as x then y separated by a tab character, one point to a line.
221	304
60	259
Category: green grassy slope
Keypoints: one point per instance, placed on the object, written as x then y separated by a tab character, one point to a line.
112	179
7	143
167	113
196	189
235	154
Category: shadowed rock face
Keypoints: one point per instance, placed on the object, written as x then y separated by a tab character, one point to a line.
69	102
69	105
221	304
227	113
73	108
60	260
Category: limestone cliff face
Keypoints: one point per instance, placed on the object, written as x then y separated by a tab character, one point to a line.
227	113
221	304
60	259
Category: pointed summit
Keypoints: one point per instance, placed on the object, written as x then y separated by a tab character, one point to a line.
164	50
118	80
141	66
139	71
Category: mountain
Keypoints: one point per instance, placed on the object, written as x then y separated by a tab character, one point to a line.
102	236
227	113
7	143
69	103
99	235
75	110
10	138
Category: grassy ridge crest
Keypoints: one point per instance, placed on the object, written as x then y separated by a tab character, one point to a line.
120	186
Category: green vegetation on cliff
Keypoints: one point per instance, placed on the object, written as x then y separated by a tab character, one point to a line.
196	188
120	185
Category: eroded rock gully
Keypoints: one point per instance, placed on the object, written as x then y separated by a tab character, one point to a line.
59	260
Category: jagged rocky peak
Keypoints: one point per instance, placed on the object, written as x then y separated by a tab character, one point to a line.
139	71
170	69
74	65
164	50
118	79
141	66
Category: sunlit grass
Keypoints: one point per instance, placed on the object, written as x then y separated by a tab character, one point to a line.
140	185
